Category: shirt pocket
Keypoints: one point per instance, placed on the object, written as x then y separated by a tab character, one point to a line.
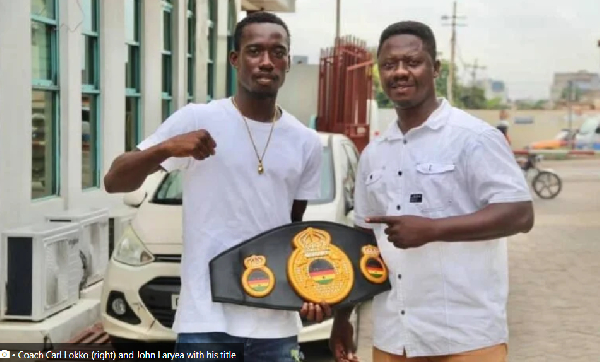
436	182
377	189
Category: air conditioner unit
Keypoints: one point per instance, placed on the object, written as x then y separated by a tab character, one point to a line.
118	220
41	270
93	224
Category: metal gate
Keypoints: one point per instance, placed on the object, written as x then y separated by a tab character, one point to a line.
345	86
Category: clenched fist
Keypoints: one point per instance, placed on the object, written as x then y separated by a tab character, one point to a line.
198	144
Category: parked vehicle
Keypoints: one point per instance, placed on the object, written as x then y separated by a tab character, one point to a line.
588	136
564	139
141	286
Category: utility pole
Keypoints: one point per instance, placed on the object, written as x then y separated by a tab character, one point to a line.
570	106
598	44
474	68
337	19
453	24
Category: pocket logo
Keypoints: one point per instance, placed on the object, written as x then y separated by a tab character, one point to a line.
416	198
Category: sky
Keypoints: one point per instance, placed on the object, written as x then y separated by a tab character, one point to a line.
522	42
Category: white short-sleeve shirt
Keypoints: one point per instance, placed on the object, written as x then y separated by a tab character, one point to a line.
226	201
446	297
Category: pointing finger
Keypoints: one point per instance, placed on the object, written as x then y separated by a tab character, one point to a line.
379	219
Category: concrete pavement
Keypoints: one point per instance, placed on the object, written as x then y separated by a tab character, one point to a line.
554	302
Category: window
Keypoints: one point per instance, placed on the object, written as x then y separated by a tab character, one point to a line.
90	94
231	75
170	190
45	99
327	178
133	71
167	59
212	43
191	50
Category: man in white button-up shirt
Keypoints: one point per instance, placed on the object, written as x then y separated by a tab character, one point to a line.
441	191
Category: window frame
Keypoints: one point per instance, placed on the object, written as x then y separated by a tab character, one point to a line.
52	85
212	50
167	96
231	73
93	91
135	93
191	51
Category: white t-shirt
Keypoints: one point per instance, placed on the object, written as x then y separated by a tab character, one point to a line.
226	201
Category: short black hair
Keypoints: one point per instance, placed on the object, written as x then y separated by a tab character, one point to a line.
415	28
256	18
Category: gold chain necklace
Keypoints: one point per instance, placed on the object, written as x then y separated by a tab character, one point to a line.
261	169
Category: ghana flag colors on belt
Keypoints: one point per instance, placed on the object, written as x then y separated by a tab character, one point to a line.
321	271
374	268
258	280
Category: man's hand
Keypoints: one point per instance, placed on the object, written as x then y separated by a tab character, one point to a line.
315	312
407	231
198	144
341	341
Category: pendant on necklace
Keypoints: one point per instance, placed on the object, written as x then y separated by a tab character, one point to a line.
260	168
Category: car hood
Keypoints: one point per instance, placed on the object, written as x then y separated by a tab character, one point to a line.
158	225
321	212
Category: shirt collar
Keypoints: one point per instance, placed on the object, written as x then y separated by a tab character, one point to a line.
436	120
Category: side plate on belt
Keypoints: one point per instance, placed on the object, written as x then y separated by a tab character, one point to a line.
371	265
258	280
318	270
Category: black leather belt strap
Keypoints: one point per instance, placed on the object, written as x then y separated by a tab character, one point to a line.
272	249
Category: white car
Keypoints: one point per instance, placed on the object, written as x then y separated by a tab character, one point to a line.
141	285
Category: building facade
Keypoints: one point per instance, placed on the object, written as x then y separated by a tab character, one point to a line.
82	81
582	88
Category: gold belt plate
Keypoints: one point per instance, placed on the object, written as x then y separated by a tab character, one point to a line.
318	270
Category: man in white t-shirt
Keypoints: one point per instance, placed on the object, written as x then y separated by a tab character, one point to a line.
248	166
441	191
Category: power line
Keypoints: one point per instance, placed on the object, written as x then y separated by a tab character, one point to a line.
453	24
474	68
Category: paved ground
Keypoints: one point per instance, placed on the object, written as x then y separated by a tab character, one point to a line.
554	303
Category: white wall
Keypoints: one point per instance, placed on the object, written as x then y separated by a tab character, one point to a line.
300	92
16	206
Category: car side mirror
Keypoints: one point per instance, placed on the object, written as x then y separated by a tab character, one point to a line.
135	198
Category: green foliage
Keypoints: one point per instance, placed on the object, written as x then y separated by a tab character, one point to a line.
464	97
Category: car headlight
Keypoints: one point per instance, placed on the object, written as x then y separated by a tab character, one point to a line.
131	250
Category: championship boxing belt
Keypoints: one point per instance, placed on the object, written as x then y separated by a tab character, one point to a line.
310	261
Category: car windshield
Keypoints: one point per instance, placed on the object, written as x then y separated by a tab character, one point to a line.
327	178
170	190
589	126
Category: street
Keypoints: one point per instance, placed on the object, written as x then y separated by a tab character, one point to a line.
553	308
